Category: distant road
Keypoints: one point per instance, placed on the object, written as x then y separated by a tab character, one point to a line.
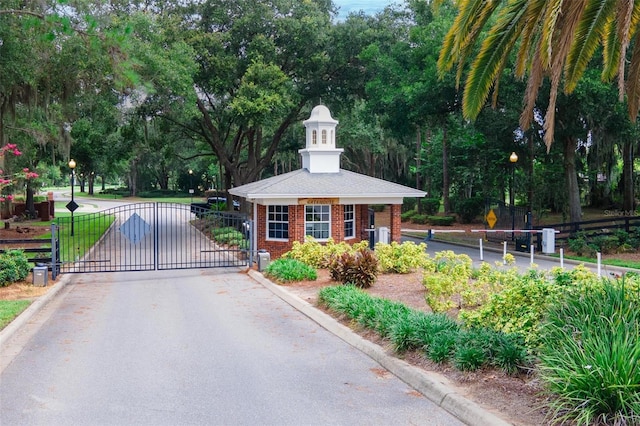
523	260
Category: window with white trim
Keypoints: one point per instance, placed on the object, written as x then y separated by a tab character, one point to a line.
324	137
277	222
314	137
317	221
349	221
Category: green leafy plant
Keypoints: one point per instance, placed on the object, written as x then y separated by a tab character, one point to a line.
468	208
288	270
419	219
439	336
401	258
590	356
408	215
317	254
446	275
430	206
442	346
14	266
441	220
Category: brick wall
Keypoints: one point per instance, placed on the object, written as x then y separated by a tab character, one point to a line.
297	230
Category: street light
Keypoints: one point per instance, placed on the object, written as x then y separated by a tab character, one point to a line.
513	158
191	184
72	206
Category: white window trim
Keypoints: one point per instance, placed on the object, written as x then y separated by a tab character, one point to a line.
269	238
352	220
329	221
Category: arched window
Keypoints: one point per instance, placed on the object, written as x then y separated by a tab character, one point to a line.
314	137
324	137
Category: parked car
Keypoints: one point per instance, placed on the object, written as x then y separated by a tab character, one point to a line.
219	200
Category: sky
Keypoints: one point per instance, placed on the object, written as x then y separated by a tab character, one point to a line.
368	6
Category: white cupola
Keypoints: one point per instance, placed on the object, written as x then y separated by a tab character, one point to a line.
321	154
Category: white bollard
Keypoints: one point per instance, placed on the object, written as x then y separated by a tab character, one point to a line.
599	264
531	249
562	258
504	253
481	254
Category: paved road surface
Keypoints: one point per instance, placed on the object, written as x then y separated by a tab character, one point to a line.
522	260
192	347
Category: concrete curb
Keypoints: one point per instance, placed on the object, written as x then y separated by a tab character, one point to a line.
431	385
8	332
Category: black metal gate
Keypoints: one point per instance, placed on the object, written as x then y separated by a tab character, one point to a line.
153	236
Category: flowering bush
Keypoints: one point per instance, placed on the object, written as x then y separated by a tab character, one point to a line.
7	181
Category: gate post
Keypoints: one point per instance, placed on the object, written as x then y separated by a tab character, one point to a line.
54	252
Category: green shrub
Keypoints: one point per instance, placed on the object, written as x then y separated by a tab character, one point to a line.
509	352
518	308
408	215
441	220
14	266
288	270
446	274
359	268
437	334
442	346
419	219
317	254
590	357
401	258
409	204
468	208
430	206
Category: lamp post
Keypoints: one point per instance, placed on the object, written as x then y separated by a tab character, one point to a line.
191	184
72	206
513	158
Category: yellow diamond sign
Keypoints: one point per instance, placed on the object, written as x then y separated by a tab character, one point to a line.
491	218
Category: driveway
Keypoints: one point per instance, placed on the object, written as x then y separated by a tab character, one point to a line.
192	347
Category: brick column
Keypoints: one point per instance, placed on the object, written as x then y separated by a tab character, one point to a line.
396	222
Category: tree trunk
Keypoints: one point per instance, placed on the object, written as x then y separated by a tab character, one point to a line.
571	176
445	173
628	199
92	178
30	205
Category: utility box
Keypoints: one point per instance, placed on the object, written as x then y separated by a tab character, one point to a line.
264	258
383	235
40	275
548	240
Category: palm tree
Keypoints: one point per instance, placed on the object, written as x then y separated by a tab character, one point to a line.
551	38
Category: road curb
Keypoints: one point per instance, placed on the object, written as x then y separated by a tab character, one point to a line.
433	386
8	332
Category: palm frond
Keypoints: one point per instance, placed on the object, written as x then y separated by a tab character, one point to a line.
610	50
490	60
553	12
528	40
588	24
463	34
550	116
531	94
453	41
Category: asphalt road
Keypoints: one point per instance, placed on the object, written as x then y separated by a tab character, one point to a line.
188	347
523	261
